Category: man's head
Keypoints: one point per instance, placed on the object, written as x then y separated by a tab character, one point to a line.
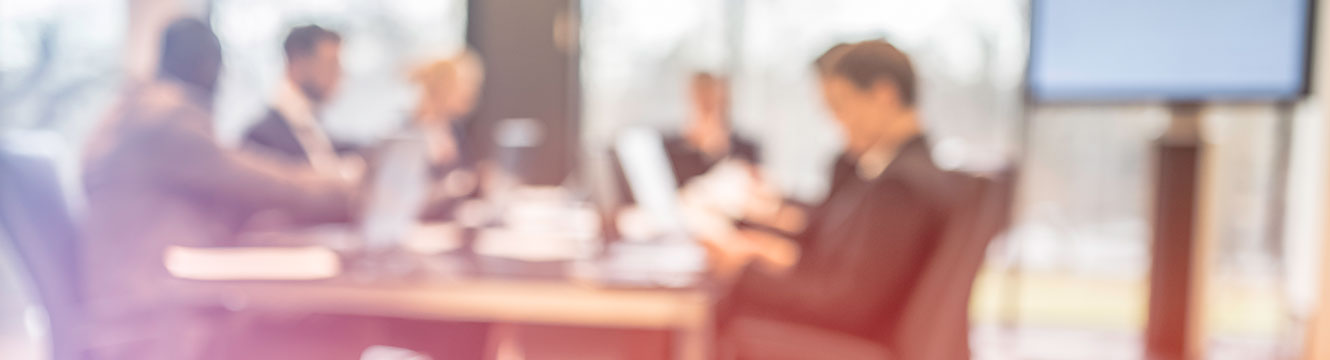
313	61
191	54
870	89
710	99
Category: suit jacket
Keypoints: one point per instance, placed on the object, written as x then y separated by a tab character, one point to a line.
273	136
864	252
843	176
155	176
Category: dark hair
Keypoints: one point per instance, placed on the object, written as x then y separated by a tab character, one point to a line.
191	54
824	63
303	40
868	62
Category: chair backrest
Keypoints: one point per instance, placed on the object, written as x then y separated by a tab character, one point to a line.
935	322
35	218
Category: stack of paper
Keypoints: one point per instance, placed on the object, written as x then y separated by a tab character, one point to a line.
252	263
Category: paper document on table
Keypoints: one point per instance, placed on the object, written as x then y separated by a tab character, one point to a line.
252	263
433	238
528	246
725	188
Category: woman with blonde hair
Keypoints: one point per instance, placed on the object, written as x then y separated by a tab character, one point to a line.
449	89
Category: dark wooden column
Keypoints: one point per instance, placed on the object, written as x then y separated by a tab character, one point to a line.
532	72
1178	155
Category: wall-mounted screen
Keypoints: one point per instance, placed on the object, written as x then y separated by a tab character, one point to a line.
1169	50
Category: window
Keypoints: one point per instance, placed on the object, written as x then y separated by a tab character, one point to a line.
382	41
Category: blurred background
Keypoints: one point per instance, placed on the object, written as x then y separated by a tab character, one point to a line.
1069	279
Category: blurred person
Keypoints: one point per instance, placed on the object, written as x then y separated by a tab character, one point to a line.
707	138
156	176
870	245
291	129
449	89
696	154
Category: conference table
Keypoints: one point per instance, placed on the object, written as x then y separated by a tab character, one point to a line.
486	291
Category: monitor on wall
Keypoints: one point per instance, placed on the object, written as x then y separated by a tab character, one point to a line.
1169	50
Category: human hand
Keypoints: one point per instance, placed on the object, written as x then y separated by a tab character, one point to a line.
727	257
775	253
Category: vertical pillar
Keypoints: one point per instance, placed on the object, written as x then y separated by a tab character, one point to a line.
1171	330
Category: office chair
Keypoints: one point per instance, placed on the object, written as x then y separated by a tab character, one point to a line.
935	321
35	218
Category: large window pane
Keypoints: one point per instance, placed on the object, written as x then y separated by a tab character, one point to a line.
382	42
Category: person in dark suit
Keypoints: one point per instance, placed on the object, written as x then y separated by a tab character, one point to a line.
155	176
706	139
290	130
868	248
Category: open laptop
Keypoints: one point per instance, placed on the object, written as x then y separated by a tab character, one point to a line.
398	190
650	177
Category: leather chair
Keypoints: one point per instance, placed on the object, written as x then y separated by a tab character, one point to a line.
35	219
935	322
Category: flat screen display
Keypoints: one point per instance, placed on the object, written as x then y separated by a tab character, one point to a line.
1169	50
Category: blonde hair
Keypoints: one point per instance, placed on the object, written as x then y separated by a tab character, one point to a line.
441	77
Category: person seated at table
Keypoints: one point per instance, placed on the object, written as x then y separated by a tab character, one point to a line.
156	176
291	129
871	244
717	172
706	139
449	89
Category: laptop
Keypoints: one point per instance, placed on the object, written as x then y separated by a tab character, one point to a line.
398	190
650	177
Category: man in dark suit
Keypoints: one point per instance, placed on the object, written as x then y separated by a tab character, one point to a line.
866	251
156	177
706	140
291	129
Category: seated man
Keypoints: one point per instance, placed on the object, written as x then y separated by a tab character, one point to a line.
706	139
867	249
156	176
715	170
291	129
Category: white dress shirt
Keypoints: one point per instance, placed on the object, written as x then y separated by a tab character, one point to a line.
298	110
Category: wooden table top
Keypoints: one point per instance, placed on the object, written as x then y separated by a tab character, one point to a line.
551	302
